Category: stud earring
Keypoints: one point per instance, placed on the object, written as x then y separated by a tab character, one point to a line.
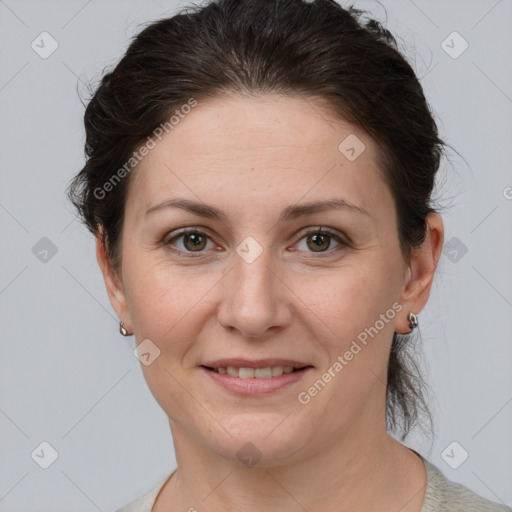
122	329
413	321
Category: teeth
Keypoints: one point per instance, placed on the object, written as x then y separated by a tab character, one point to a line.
255	373
276	371
263	373
246	373
232	371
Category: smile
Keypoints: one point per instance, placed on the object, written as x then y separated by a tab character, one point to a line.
255	373
255	381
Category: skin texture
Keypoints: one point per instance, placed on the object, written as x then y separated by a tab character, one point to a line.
251	158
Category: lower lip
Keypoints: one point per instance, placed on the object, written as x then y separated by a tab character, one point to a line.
256	386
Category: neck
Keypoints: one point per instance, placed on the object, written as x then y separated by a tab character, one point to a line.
369	471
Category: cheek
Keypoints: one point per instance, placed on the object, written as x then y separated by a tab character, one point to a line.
351	298
166	302
356	313
167	308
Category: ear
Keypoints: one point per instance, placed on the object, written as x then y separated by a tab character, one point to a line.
420	272
113	283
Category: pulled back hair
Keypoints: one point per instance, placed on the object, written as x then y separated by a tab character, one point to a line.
313	49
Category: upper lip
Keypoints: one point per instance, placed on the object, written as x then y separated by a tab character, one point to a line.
247	363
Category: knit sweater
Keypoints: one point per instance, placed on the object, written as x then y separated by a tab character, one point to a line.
441	495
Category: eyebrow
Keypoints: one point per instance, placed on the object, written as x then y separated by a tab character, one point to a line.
291	212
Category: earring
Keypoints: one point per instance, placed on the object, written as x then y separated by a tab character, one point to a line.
122	329
413	321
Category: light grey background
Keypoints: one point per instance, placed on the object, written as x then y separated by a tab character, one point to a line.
69	378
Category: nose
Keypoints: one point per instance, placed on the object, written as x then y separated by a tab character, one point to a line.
255	300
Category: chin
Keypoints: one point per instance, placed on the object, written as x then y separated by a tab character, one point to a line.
265	440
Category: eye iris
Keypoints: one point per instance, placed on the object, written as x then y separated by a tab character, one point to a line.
317	241
198	241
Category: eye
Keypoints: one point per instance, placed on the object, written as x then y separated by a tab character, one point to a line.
195	240
192	240
320	240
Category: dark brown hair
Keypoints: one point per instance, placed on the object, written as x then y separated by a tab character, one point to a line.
313	49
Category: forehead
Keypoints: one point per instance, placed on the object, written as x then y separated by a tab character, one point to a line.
282	143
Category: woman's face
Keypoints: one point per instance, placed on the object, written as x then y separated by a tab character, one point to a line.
259	282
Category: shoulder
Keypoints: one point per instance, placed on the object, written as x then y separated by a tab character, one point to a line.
443	495
145	502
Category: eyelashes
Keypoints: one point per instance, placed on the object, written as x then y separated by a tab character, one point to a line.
188	234
200	240
323	233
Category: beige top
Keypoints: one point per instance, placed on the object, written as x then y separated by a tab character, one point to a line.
441	495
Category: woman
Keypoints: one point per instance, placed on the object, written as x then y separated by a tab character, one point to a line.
259	179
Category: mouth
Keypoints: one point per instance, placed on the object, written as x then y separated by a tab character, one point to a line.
255	378
266	372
